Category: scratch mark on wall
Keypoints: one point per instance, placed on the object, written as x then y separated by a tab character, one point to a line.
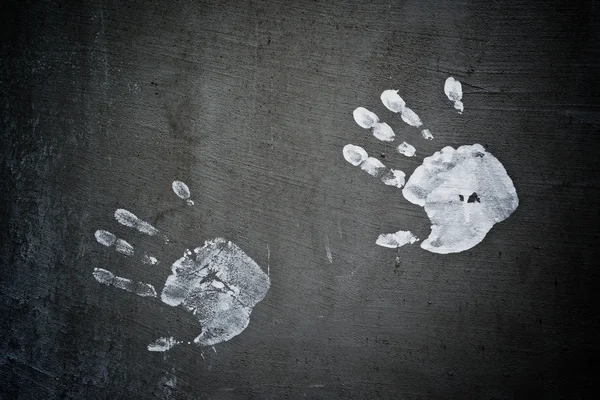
328	249
268	260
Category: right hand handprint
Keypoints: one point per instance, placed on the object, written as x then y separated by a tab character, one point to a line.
464	191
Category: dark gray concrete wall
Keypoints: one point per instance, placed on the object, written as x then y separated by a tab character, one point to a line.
103	104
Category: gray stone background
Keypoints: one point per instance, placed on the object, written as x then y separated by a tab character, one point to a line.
104	103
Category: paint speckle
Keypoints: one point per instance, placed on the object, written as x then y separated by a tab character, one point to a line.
171	382
453	90
395	240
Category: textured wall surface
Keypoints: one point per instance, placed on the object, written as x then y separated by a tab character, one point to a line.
104	103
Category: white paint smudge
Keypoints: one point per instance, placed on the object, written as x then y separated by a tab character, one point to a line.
108	278
395	240
220	285
453	90
127	218
367	119
426	134
406	149
394	178
163	344
464	192
182	191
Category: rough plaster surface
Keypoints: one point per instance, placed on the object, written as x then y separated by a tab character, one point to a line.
103	104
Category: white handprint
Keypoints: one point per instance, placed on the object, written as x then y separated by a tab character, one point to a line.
218	283
464	191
